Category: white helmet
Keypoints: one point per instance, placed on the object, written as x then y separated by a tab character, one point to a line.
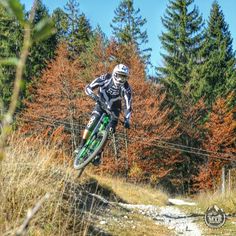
120	74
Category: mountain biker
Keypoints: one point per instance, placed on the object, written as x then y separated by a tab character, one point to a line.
112	88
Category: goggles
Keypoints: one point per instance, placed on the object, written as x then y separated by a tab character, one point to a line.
121	77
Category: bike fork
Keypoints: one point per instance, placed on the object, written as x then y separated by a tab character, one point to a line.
96	127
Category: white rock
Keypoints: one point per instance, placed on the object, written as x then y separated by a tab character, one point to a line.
103	222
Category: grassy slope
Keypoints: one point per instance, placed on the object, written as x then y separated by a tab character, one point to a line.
132	193
31	171
27	175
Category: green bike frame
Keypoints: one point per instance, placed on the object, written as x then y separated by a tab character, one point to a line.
92	143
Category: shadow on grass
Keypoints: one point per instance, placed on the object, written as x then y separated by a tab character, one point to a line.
88	203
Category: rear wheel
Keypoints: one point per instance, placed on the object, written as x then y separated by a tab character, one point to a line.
87	154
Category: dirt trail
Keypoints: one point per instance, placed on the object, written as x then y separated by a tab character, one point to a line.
170	216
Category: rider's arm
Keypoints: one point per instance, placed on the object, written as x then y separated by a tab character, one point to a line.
128	101
98	82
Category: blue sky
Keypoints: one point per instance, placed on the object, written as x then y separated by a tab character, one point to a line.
102	12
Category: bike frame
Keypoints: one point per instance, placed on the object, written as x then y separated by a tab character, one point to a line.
101	125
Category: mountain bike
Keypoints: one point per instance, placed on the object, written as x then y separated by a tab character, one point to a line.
95	142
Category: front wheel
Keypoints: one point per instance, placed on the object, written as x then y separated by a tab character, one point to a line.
87	154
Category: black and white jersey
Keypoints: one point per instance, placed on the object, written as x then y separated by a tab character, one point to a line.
111	94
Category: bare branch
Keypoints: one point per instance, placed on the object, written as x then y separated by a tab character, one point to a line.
30	214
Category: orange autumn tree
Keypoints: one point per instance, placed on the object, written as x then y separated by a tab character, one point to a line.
220	142
58	101
145	159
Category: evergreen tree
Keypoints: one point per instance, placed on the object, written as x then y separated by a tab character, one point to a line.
79	29
127	27
218	67
60	19
10	44
94	59
182	42
83	33
41	52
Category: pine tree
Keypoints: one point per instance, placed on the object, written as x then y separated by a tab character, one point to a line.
79	29
83	33
95	58
127	27
60	19
218	69
182	42
10	44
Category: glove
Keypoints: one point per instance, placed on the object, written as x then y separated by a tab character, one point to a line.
127	124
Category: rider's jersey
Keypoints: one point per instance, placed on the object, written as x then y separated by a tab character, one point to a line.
110	93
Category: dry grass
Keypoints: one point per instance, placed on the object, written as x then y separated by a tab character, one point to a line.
226	201
130	193
32	169
28	173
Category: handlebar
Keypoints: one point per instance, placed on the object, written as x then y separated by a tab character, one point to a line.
102	104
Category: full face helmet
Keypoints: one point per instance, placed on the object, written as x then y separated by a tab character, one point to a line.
120	74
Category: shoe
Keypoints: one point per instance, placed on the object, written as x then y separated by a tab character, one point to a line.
97	160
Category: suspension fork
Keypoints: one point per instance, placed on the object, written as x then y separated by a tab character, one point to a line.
96	127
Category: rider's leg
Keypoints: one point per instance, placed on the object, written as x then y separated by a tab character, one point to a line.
96	114
115	109
92	122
